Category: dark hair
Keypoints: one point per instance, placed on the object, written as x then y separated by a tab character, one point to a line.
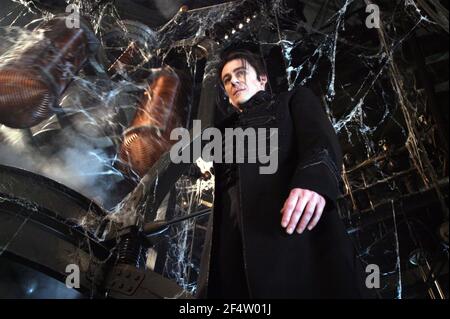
246	55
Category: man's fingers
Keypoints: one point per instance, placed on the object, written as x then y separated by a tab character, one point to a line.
297	213
302	209
291	201
317	214
307	214
288	207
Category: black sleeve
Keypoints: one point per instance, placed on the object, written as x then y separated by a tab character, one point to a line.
319	153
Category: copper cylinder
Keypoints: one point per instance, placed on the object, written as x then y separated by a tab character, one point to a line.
149	135
32	80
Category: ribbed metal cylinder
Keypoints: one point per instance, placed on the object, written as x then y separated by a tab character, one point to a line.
32	78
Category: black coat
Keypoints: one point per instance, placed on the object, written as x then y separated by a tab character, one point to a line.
316	264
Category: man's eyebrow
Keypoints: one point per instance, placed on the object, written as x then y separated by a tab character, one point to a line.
237	69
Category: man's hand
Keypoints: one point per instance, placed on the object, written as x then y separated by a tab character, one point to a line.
304	204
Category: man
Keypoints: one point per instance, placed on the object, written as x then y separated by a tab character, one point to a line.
278	235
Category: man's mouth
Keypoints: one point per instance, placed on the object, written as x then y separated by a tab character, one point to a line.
238	91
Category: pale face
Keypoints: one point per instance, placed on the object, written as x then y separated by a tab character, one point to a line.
241	82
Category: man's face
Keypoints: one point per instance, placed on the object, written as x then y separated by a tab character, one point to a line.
241	82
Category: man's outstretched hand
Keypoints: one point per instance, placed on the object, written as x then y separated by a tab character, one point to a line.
303	208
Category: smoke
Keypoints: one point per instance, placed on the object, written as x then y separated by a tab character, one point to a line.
76	163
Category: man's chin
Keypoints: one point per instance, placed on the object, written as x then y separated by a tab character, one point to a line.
242	100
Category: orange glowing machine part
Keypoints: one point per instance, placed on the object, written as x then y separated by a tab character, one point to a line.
159	112
35	76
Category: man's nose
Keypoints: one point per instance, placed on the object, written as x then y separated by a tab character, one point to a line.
234	81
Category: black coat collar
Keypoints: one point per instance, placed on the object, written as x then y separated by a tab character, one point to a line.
256	102
260	98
